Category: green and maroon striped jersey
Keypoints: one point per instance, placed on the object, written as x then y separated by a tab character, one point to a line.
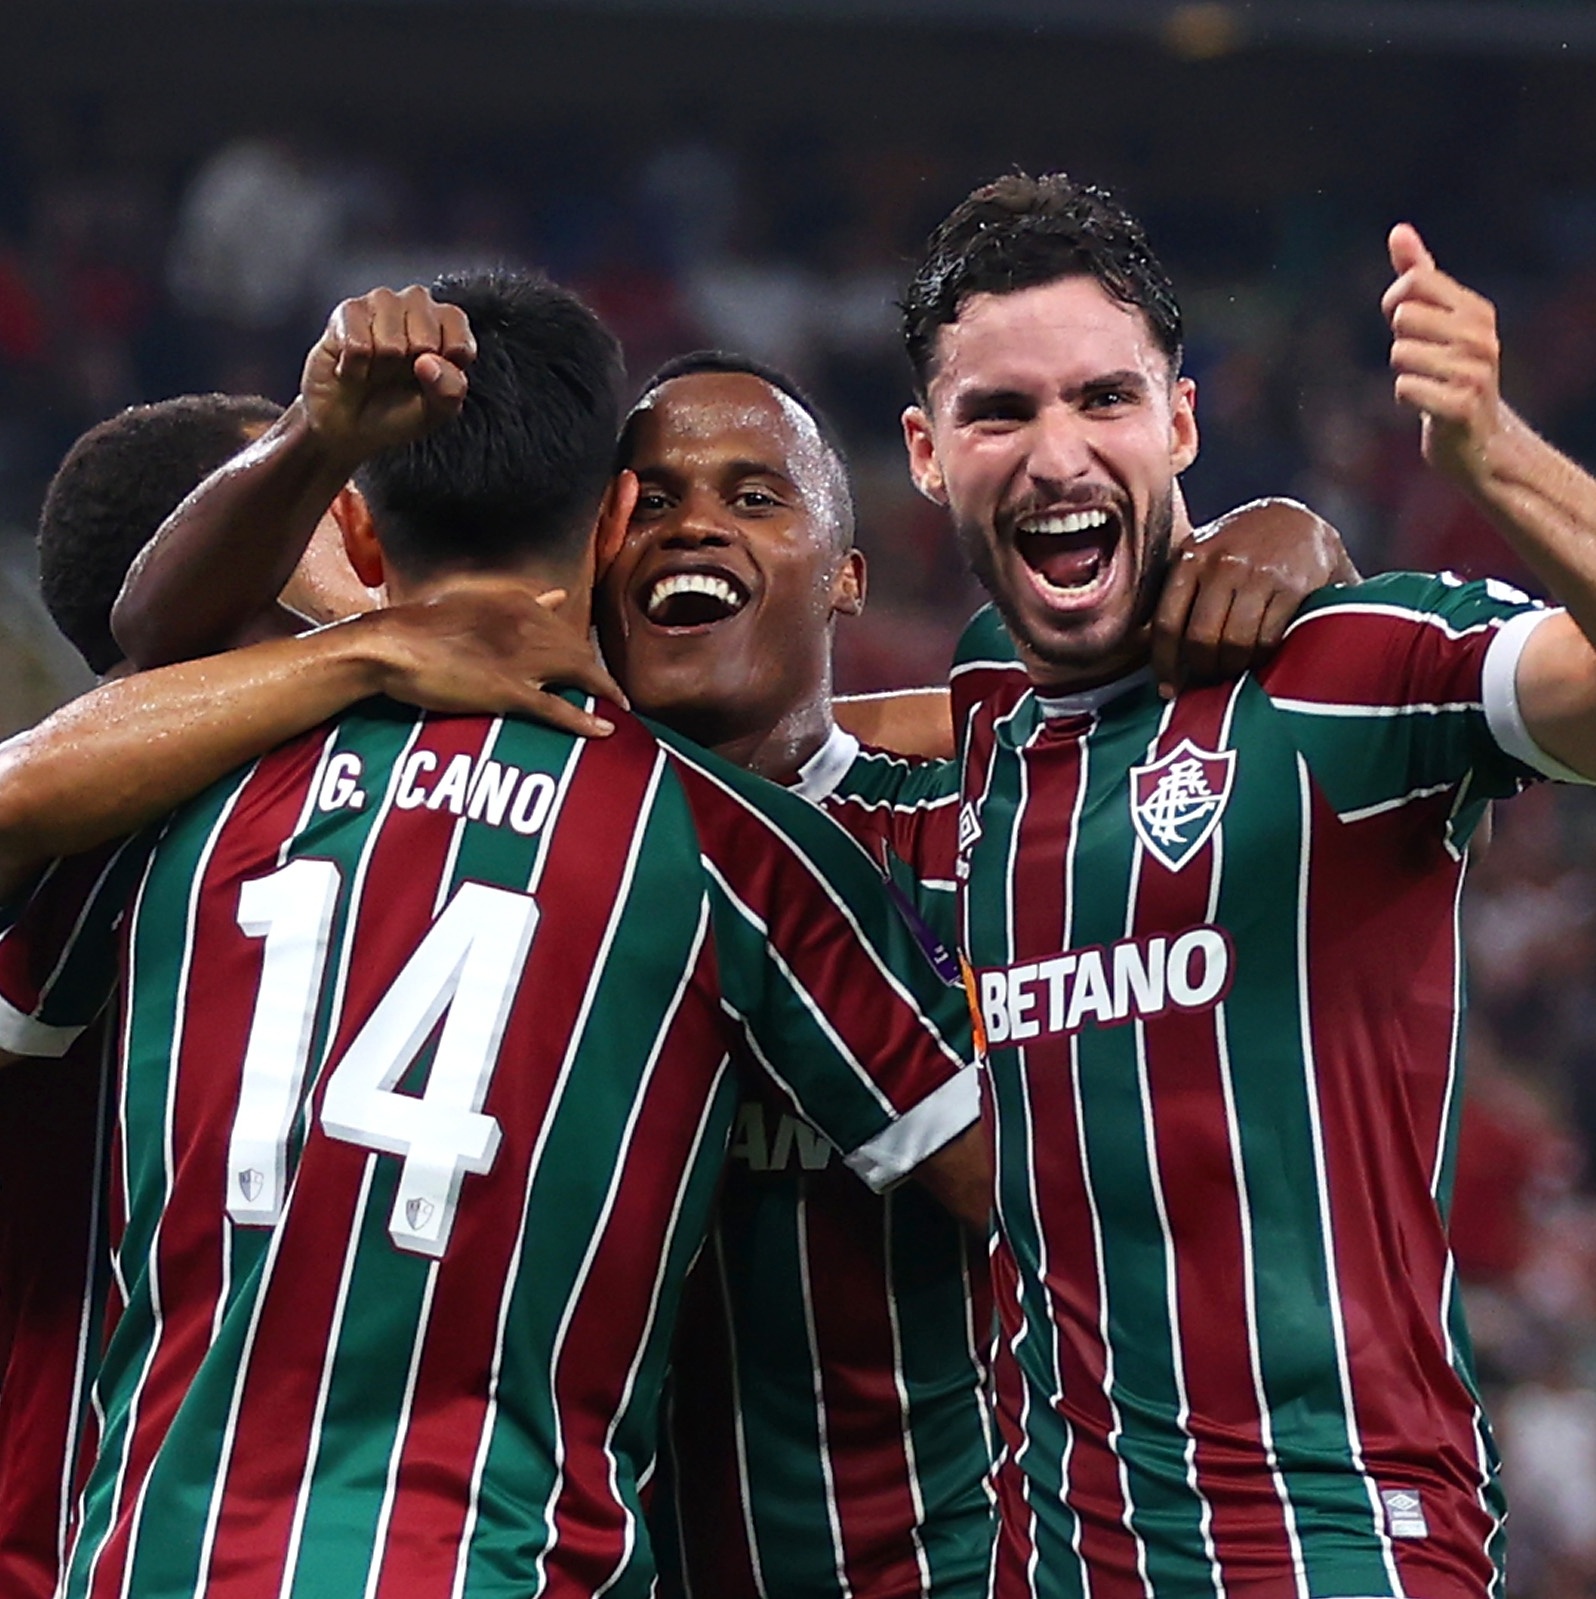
827	1431
431	1036
52	1299
1217	953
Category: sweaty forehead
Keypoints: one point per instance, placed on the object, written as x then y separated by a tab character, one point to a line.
708	416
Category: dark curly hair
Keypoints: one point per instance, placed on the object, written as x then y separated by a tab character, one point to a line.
524	467
115	487
1020	231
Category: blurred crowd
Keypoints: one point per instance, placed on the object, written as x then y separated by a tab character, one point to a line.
118	286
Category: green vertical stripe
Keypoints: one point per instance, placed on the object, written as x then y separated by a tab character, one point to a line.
1166	1512
1273	1087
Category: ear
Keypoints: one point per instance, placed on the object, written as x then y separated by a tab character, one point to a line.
848	585
353	516
924	468
615	516
1183	425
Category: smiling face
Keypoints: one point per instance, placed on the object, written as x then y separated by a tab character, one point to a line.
1053	432
715	612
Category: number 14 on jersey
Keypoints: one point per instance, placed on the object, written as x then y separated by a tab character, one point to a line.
464	973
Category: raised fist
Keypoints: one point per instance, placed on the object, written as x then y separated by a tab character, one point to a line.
389	368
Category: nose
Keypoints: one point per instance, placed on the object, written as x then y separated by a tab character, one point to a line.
1060	451
701	520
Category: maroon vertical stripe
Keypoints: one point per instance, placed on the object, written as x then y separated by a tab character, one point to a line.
1249	1530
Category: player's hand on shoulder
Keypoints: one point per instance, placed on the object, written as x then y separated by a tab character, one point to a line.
494	646
390	366
1234	586
1446	356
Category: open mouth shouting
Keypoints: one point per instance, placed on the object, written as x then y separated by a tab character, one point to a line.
1069	554
692	599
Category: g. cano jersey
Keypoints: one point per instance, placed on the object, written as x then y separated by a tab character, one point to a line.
430	1048
1216	949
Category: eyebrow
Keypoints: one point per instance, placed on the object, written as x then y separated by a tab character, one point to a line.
735	470
972	402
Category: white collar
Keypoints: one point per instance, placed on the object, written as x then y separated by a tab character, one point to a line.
819	776
1087	700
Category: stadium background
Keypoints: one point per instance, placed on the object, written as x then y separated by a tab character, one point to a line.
186	188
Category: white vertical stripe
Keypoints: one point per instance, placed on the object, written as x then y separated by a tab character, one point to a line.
268	1265
649	1324
818	1381
401	1431
1322	1183
90	1308
169	1168
745	1495
1160	1204
1449	1279
900	1385
1067	938
296	1530
1249	1272
424	1314
1116	1424
535	1160
601	1228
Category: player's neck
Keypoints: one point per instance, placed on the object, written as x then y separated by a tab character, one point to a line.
780	750
576	608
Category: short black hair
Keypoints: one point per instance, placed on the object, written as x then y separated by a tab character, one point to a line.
735	364
1019	232
113	490
523	468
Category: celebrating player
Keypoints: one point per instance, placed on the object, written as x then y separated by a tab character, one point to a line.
421	1342
1216	942
853	1450
105	502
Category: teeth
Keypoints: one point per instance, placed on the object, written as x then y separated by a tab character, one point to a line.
1074	522
693	583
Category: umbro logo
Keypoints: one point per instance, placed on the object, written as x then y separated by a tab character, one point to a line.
969	832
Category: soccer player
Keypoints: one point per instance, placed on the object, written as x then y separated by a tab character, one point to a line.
105	502
851	1453
1216	943
827	1430
401	1279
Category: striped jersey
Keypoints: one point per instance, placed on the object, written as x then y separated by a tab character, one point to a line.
1216	948
52	1299
827	1431
430	1042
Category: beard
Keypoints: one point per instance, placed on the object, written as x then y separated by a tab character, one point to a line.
1158	533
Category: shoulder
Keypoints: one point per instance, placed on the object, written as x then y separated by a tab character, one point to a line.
877	777
1399	601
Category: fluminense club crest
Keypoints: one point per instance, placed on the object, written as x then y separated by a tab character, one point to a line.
1177	801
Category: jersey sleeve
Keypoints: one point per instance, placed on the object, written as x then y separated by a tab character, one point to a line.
58	949
986	668
1404	687
905	813
828	983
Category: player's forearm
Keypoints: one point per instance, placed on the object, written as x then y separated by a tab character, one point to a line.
915	721
220	560
128	752
1545	507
